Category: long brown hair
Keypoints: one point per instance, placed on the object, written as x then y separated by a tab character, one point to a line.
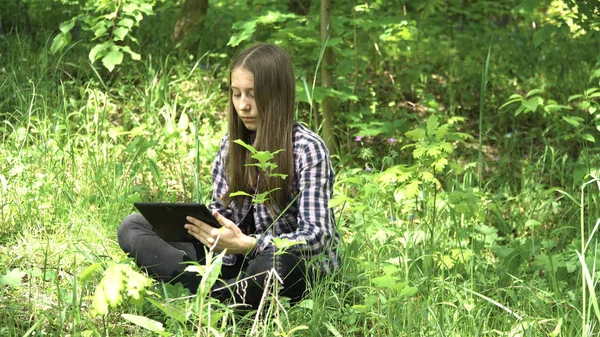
275	95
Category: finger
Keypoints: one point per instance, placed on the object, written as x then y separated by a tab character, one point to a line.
222	220
199	224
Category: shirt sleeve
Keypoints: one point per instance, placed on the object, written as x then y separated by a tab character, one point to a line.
314	219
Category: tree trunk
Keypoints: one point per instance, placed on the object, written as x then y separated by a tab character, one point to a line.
191	20
299	7
327	105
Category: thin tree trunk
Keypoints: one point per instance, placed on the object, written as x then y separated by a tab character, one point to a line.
327	105
191	19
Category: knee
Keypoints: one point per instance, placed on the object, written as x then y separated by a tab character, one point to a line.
126	232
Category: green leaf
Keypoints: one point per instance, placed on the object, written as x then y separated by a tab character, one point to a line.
432	125
112	59
100	31
585	105
60	41
87	273
572	97
184	121
408	291
12	278
588	137
541	35
556	108
126	22
440	164
134	56
247	146
572	120
533	92
146	323
416	134
248	28
213	269
66	26
446	147
511	101
532	103
411	189
97	50
120	33
486	230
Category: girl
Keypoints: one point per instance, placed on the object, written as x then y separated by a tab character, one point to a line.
261	110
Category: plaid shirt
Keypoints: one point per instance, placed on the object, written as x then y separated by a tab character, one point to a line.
307	219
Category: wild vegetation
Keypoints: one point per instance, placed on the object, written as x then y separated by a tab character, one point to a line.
464	143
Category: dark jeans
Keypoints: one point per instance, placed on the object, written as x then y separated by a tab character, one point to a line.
166	262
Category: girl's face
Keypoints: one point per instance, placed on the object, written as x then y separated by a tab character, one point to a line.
242	97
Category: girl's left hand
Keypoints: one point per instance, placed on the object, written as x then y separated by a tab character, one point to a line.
229	236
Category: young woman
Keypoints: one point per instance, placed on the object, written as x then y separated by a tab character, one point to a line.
261	110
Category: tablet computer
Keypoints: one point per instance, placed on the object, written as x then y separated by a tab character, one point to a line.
168	218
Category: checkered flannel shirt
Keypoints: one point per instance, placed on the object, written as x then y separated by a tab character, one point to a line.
307	219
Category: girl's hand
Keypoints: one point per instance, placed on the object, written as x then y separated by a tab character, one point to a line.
229	236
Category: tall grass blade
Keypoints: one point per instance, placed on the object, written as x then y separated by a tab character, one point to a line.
484	80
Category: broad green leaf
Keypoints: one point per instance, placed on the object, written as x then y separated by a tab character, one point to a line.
283	244
591	91
247	146
446	147
416	134
434	150
120	33
97	50
432	125
108	291
125	22
511	101
183	121
533	92
248	28
572	120
532	103
595	74
12	278
486	230
100	31
442	131
540	36
572	97
440	164
146	323
112	59
408	291
213	269
411	189
588	137
556	107
60	41
585	105
263	156
134	56
66	26
593	109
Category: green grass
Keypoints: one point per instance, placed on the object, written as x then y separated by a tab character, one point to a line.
78	150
